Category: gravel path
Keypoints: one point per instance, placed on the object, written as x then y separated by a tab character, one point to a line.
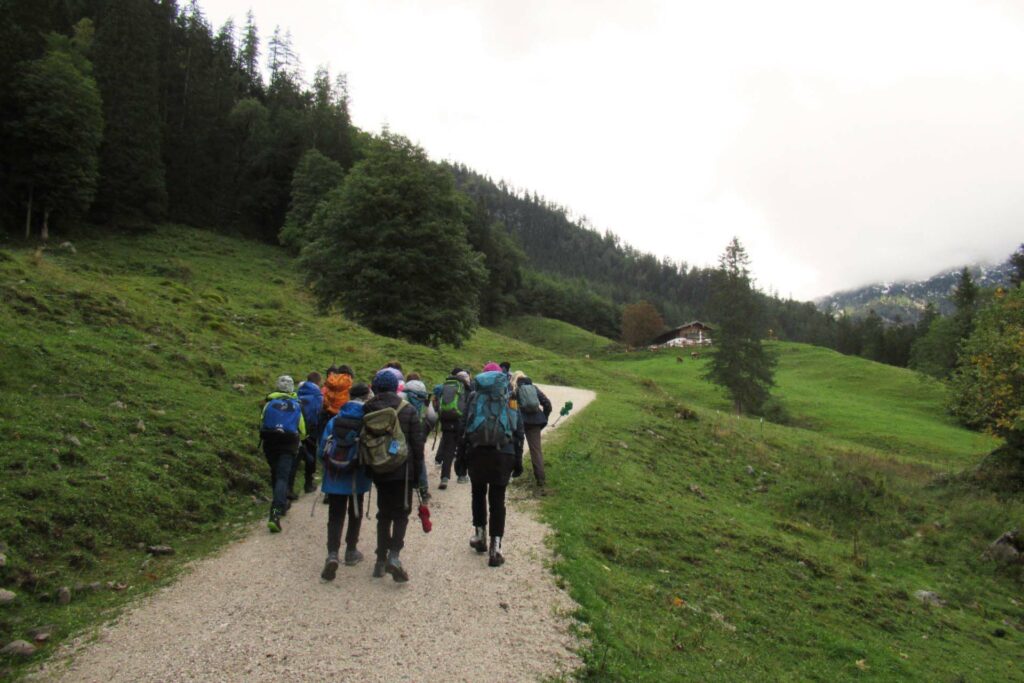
258	611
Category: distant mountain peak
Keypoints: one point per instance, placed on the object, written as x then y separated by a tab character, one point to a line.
905	300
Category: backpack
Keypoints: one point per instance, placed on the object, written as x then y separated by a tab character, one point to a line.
382	444
281	415
312	402
417	400
490	420
449	405
339	453
529	399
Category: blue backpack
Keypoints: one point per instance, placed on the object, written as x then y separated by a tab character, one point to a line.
281	415
312	402
339	445
490	419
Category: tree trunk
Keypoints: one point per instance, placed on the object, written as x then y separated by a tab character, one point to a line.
45	234
28	215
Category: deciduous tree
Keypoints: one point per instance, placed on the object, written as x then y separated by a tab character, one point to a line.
640	323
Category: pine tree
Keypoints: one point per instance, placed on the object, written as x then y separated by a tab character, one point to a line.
62	123
314	178
739	363
131	168
391	248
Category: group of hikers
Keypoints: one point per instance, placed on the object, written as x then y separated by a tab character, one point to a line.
374	436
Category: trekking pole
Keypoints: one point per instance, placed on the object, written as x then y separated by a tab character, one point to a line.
313	509
566	409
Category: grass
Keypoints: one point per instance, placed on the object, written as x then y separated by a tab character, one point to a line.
698	544
555	335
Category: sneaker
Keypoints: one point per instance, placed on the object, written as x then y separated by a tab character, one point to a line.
394	567
378	569
274	523
353	557
444	483
330	567
464	479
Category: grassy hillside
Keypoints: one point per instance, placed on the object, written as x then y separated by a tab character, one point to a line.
557	336
698	544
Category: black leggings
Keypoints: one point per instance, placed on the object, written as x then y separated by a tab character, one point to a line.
489	472
339	504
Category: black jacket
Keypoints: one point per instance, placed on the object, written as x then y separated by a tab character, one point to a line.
412	428
539	419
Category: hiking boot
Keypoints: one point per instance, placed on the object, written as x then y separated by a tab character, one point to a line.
496	559
479	540
444	483
274	522
464	479
353	557
292	495
330	567
309	487
394	567
378	569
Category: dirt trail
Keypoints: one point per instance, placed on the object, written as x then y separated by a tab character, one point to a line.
258	611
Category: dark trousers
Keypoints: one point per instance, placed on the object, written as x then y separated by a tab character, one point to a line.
489	472
280	469
355	506
307	456
448	452
394	501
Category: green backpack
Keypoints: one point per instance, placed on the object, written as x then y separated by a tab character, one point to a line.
382	444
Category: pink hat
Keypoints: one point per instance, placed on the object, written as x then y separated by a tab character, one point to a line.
492	367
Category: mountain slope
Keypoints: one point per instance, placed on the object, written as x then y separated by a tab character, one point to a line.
906	300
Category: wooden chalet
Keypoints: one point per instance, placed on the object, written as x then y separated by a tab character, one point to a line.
693	333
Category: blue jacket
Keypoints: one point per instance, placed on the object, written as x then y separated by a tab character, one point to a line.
349	418
309	394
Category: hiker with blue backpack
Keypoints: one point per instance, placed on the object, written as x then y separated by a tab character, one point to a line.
391	448
345	481
534	408
494	454
450	399
282	429
311	400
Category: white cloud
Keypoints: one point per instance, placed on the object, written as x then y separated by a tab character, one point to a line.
842	142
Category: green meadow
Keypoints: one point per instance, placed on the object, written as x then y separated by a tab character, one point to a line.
699	545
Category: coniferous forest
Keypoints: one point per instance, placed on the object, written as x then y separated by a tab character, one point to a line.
127	113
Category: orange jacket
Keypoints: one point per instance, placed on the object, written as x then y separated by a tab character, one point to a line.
335	391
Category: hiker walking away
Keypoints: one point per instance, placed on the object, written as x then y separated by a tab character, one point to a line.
282	428
450	403
534	408
494	453
312	401
418	397
391	447
336	388
345	481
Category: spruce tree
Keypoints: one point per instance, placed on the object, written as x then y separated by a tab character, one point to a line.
390	248
131	168
740	363
61	123
249	55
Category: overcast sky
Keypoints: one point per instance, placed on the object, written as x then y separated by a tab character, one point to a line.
842	142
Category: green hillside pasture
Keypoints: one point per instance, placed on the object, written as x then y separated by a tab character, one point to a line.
556	336
133	372
709	549
895	410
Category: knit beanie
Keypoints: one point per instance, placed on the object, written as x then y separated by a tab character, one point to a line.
492	367
417	386
285	384
385	380
358	392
